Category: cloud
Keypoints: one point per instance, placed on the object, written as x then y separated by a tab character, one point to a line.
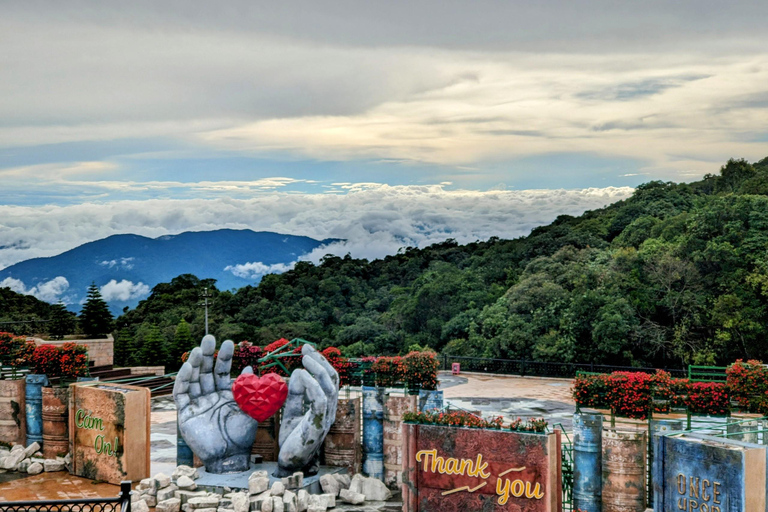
124	263
48	291
123	291
257	269
376	220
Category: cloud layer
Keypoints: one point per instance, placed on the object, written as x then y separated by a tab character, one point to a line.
123	291
376	220
48	291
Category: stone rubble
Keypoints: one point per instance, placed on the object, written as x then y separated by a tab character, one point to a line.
30	460
340	494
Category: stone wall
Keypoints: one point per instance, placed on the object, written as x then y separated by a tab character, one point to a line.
146	370
100	351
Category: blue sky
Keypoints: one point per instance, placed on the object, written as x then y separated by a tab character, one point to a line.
176	110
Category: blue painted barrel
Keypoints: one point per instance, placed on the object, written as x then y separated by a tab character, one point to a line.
659	428
587	462
373	432
34	407
183	451
429	400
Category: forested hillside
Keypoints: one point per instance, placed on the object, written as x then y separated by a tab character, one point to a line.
676	274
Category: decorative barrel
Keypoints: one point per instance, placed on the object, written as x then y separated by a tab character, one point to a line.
184	455
395	407
342	444
55	422
624	471
266	442
587	462
373	432
745	430
13	419
429	400
659	428
34	407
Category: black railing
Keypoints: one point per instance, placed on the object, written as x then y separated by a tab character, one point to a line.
121	503
524	367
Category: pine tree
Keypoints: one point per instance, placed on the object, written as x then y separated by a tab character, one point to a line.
61	322
154	351
123	345
182	342
95	319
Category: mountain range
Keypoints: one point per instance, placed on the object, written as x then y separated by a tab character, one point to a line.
126	267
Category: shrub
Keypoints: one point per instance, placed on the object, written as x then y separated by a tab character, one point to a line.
389	371
421	370
748	384
452	419
591	390
708	398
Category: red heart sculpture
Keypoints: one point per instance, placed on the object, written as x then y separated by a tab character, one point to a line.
259	397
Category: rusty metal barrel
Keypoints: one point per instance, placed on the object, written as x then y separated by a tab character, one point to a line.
624	472
267	435
342	446
587	462
55	422
13	416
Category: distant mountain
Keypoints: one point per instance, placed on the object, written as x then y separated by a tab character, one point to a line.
127	267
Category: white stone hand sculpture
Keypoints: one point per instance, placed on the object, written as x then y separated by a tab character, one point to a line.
302	434
211	422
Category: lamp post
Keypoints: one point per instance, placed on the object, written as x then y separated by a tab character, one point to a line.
205	297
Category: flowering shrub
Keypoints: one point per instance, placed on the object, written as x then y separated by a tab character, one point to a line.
421	370
452	419
748	383
275	345
246	354
529	425
15	350
343	366
45	360
708	398
591	390
389	371
631	394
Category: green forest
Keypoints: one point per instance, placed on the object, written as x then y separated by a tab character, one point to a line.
677	274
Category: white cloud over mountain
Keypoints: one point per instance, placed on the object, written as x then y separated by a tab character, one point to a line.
257	269
123	291
48	291
376	220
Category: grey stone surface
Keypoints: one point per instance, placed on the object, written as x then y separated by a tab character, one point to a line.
166	493
294	481
343	479
356	485
169	505
186	471
277	489
375	490
290	503
330	485
35	468
355	498
203	502
240	502
13	459
302	500
51	465
31	449
162	480
267	505
149	499
258	485
277	504
186	483
185	495
139	506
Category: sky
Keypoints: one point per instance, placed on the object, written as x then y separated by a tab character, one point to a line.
388	124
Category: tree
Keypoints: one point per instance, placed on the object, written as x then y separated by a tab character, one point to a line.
154	351
95	319
61	322
182	342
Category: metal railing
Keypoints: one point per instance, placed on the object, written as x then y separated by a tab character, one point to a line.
121	503
524	367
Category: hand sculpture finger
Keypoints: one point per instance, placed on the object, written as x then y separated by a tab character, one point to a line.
223	366
181	387
208	347
301	435
195	360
